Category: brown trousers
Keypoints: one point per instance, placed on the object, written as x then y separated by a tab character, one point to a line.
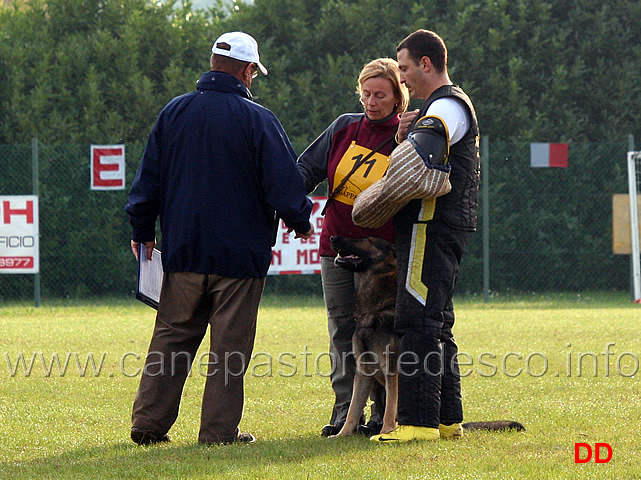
189	302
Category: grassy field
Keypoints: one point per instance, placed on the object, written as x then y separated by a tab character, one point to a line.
566	366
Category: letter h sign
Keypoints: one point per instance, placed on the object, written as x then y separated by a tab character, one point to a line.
107	167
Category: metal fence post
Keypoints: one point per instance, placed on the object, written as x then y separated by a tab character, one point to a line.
632	295
34	181
485	167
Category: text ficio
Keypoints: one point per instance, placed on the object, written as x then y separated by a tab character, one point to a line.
15	241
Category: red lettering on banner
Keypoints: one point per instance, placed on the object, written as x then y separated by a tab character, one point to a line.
8	211
298	256
16	262
307	257
311	239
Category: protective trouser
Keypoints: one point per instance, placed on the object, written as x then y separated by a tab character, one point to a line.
338	291
429	254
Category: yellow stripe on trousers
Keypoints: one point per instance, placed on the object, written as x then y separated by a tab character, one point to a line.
414	281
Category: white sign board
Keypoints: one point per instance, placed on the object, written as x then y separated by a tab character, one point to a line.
107	167
19	245
296	256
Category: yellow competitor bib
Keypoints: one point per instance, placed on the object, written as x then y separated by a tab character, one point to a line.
370	171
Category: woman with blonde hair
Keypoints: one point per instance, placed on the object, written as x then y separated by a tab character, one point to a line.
352	153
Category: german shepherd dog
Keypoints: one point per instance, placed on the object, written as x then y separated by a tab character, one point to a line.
374	342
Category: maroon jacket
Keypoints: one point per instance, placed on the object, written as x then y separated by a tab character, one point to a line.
320	160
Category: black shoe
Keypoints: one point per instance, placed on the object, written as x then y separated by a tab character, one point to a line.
240	438
329	430
244	438
147	437
370	428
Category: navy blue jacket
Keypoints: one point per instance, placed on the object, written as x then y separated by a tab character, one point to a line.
215	168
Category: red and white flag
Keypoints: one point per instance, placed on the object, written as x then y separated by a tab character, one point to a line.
548	155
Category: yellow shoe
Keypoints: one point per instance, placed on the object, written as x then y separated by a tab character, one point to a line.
451	432
407	433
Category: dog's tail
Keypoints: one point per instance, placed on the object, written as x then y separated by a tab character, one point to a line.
498	425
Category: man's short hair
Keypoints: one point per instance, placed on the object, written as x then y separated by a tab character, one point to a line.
425	43
227	64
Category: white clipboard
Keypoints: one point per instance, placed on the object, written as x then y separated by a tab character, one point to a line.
150	274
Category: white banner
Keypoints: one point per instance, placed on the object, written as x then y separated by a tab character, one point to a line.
107	167
296	256
19	245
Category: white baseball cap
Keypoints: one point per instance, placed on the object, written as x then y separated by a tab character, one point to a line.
240	46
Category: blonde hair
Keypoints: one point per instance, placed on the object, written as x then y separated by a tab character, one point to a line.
386	68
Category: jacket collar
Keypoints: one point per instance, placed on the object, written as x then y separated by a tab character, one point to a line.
223	82
390	121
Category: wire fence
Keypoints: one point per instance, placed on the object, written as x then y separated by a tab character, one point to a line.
541	229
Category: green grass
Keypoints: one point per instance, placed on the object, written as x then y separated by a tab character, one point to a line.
516	352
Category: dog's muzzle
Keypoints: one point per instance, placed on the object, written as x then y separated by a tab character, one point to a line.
353	263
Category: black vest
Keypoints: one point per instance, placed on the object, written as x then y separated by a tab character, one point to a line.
458	209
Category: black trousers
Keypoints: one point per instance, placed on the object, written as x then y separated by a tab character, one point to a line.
429	254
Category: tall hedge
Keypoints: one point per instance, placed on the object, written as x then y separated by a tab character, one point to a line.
100	70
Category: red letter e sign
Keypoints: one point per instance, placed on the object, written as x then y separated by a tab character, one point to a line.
107	167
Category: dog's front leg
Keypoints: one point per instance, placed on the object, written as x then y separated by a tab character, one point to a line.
391	402
362	387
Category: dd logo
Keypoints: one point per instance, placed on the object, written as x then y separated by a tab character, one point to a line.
588	453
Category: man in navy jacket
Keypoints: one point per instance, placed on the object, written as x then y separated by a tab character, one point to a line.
216	168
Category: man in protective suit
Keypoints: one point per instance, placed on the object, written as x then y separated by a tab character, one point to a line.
431	236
